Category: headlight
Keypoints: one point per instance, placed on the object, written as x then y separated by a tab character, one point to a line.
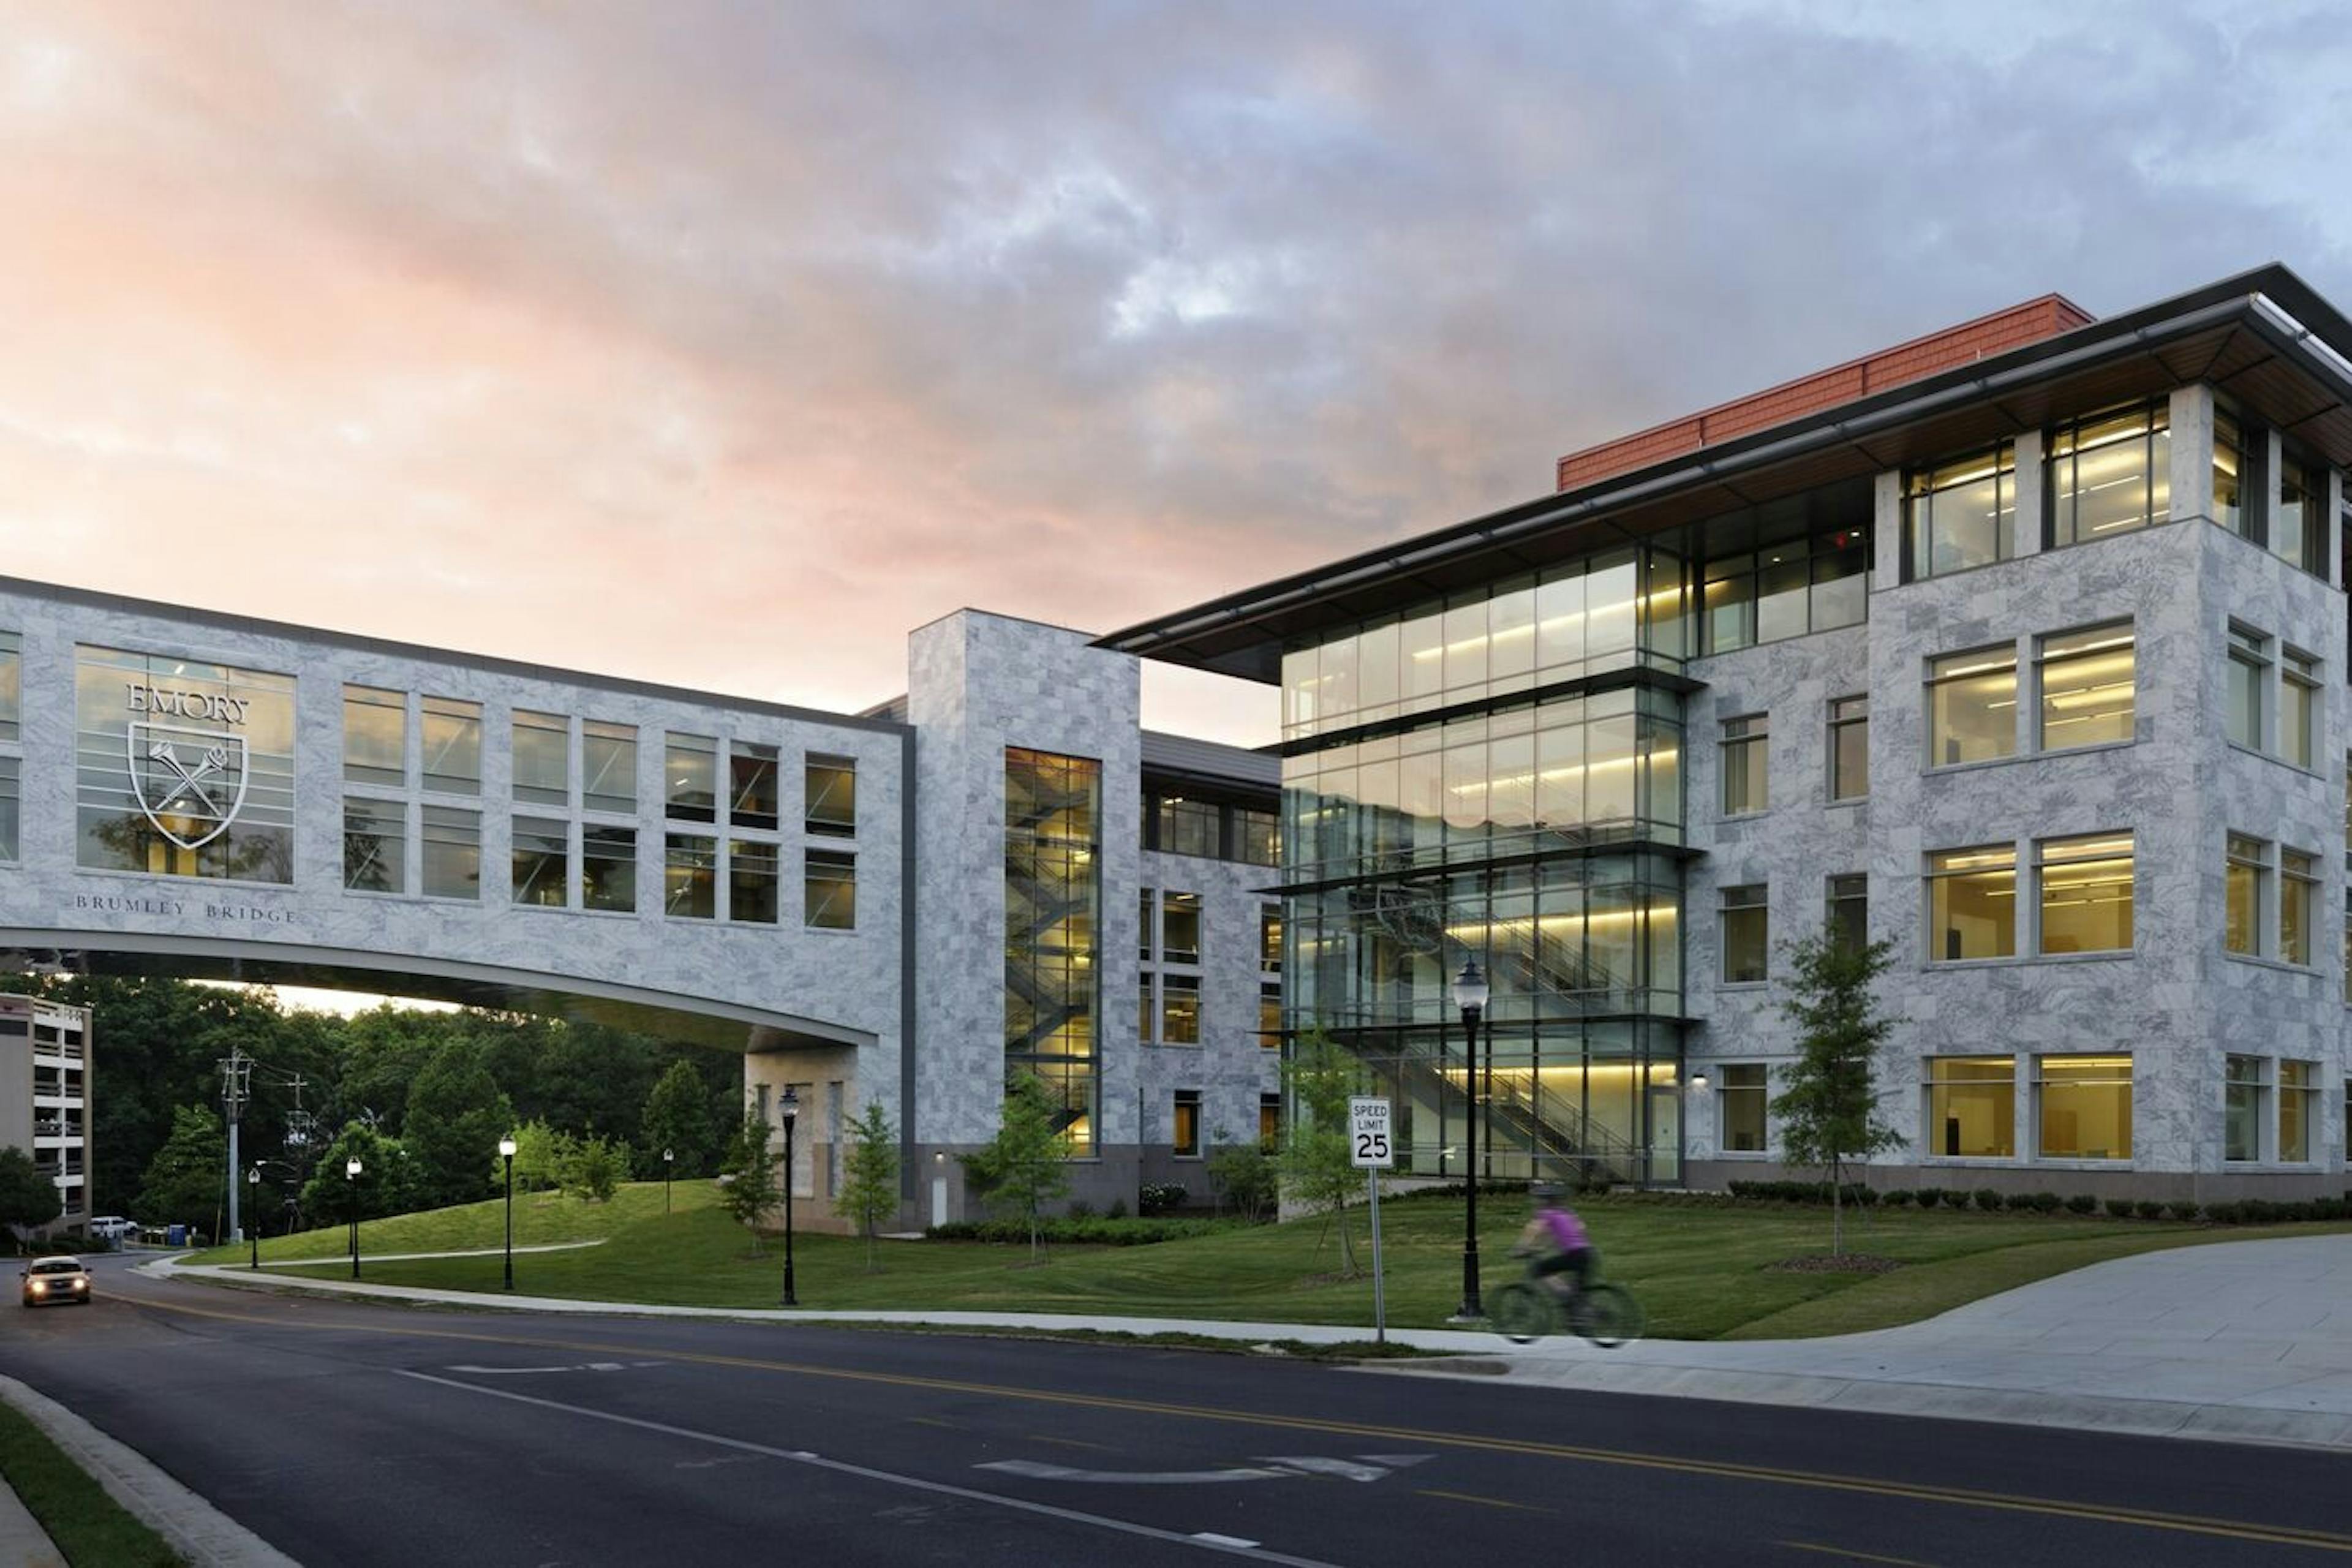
40	1287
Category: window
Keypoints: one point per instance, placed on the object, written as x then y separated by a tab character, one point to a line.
2298	726
1812	583
1187	827
751	882
2086	893
2086	681
1179	928
1849	912
2249	669
542	758
832	797
1269	1121
376	736
1972	707
2109	474
2242	1094
1143	947
1746	934
2298	1110
11	809
542	862
2083	1106
1180	1009
1147	1013
1849	748
1269	939
1184	1133
12	683
453	745
1269	1015
1972	1107
1744	763
608	766
829	890
376	845
751	785
2299	536
1960	514
1257	836
452	839
690	766
1972	904
608	867
2244	885
690	877
2298	901
1744	1098
2229	474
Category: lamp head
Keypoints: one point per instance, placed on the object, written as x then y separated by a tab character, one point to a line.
1698	1079
253	1177
506	1147
667	1157
351	1167
1470	988
790	1105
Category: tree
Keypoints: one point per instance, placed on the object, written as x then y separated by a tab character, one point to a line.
27	1198
591	1167
1243	1176
383	1185
869	1176
1025	1166
540	1153
185	1180
456	1116
1317	1170
678	1118
1828	1103
750	1190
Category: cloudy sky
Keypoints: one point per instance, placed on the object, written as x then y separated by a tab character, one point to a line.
722	343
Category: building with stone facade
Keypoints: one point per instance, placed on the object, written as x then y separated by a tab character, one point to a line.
2021	648
45	1089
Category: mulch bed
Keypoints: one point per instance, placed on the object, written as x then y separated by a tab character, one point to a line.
1822	1263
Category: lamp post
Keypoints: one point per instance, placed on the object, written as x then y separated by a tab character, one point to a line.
1470	993
789	1107
352	1189
507	1153
669	1157
253	1185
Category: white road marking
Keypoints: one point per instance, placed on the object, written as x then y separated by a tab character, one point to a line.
839	1466
1043	1472
533	1371
1216	1540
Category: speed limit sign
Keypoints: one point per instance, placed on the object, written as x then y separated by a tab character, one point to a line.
1367	1133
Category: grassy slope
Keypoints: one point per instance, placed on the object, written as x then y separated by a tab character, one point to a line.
1702	1271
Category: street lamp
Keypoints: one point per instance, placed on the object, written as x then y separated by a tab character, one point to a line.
789	1107
507	1153
667	1157
253	1185
1470	993
352	1190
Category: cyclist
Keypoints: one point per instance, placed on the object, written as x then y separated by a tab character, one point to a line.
1557	1238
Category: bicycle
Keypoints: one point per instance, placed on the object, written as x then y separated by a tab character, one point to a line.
1526	1310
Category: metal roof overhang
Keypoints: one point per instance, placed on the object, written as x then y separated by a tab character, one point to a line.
2262	337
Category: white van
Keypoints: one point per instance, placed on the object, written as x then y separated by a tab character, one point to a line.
113	1228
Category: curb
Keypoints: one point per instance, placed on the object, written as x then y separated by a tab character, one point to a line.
200	1532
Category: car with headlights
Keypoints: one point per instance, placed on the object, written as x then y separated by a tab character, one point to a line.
49	1280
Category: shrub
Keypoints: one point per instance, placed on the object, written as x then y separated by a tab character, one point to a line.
1987	1199
1243	1175
2046	1203
1928	1197
2082	1203
1080	1209
2189	1212
2119	1208
2017	1203
2222	1214
1901	1197
1159	1198
2147	1208
1118	1209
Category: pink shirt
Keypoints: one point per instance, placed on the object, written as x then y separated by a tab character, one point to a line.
1567	1230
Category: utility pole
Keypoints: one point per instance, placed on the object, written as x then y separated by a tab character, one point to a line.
236	1070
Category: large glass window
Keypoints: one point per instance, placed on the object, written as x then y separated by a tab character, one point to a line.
690	877
1745	787
11	809
452	839
1746	925
12	684
183	768
2299	535
2298	903
2109	474
543	862
2249	679
2084	1105
608	766
2298	726
2298	1110
1849	748
1269	939
376	736
1849	911
453	745
1187	827
1179	928
1184	1135
2229	473
1180	1009
1746	1093
751	785
751	882
608	867
542	758
1972	707
1809	584
1972	903
829	890
1269	1015
2088	685
1972	1107
2243	1091
2086	893
1960	514
1053	909
832	796
1257	836
375	846
2246	877
690	777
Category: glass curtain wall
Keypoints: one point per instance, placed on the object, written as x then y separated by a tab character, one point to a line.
1053	901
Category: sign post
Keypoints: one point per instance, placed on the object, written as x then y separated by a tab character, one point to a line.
1373	1151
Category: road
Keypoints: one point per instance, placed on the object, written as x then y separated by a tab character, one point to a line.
351	1434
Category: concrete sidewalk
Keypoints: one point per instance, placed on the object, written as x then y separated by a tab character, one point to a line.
2246	1342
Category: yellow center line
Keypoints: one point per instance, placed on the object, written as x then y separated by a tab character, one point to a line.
1488	1501
1722	1470
1072	1443
1857	1556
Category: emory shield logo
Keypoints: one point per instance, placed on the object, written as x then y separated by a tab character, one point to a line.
189	782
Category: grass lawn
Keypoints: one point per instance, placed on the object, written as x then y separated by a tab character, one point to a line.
88	1526
1703	1270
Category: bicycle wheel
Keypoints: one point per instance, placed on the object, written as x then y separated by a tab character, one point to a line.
1608	1316
1522	1313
